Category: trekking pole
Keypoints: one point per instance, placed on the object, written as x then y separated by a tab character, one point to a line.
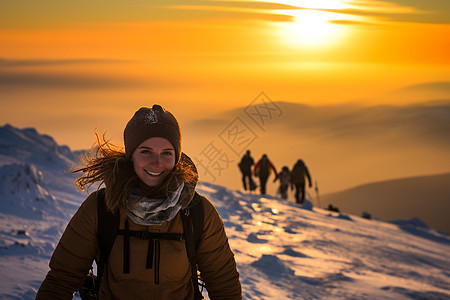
317	193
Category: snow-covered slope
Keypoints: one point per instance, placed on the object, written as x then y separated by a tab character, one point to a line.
27	146
23	191
403	198
288	252
283	251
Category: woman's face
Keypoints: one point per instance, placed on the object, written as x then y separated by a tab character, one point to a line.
153	160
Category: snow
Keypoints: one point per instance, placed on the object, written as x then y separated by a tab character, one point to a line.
283	251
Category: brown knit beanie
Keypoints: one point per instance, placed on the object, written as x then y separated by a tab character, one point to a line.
152	122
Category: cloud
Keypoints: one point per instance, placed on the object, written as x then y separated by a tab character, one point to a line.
439	86
247	5
14	80
425	6
46	13
432	11
55	62
239	9
349	22
43	73
418	11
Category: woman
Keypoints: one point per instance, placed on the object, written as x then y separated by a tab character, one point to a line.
148	185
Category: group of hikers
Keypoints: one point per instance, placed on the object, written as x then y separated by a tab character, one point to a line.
262	169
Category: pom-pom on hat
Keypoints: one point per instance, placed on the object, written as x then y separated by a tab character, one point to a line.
152	122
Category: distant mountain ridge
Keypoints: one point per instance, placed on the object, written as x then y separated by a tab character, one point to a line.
27	145
425	197
428	120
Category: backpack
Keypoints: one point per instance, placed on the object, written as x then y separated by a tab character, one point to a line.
298	172
263	168
192	218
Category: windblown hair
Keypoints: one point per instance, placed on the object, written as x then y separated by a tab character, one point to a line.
108	165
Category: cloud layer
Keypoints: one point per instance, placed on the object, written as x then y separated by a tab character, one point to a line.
47	12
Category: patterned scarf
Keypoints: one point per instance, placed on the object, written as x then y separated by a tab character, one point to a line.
154	211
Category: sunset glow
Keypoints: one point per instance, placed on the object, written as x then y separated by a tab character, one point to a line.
92	63
225	50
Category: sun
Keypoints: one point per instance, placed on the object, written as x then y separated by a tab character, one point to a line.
312	27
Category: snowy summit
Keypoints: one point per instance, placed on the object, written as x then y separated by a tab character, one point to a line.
283	251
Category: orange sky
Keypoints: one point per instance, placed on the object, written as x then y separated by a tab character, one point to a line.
95	62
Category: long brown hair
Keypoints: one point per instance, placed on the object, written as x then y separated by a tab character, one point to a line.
107	164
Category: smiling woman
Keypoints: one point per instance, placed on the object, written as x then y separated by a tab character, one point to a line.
147	207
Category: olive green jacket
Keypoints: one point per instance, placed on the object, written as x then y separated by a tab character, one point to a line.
78	247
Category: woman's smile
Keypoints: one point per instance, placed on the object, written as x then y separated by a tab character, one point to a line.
153	173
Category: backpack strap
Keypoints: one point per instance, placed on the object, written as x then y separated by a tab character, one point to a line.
193	219
108	224
146	235
153	245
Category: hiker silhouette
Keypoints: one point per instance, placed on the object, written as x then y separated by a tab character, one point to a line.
262	169
285	178
245	166
298	173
